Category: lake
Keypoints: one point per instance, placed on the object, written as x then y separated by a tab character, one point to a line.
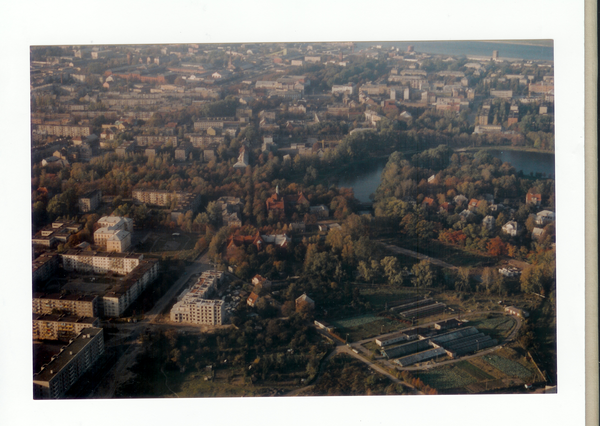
365	178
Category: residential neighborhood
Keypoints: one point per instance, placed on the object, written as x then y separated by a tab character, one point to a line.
273	219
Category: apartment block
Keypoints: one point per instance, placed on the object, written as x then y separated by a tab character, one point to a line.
60	327
69	304
90	201
69	365
194	307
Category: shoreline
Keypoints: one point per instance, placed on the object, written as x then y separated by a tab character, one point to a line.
504	148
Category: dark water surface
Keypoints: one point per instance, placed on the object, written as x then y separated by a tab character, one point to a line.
365	178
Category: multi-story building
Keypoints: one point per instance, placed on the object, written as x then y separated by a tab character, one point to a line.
214	122
57	130
349	88
100	263
68	366
119	297
194	307
44	266
185	201
60	327
70	304
114	233
156	140
138	274
90	201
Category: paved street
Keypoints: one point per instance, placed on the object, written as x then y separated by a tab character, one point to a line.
118	374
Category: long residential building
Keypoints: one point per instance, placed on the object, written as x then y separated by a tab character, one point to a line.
57	130
74	359
186	201
138	274
60	327
194	307
69	304
100	263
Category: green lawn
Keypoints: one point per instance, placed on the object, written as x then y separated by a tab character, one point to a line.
498	327
446	378
474	371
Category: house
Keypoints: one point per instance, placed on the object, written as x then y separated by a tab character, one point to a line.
260	280
511	228
304	300
429	203
489	222
544	217
466	215
537	233
276	203
252	299
533	198
320	211
516	312
460	199
509	272
446	207
473	204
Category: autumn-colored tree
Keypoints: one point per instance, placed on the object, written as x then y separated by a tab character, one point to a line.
496	247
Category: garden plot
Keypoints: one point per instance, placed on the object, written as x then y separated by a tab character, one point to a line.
365	326
446	378
508	367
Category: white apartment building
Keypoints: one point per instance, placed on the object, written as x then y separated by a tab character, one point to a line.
100	263
194	307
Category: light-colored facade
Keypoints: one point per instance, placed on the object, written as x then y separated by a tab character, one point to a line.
114	234
60	327
57	130
68	366
100	263
70	304
194	307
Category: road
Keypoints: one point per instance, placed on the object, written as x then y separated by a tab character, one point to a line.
119	374
406	252
341	348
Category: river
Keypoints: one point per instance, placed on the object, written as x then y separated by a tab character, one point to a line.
365	178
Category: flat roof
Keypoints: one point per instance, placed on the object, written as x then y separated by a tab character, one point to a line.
67	354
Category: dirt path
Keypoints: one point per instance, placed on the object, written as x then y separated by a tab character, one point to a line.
406	252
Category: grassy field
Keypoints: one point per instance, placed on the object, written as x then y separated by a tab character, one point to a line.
378	297
497	326
164	242
365	326
474	371
447	253
509	367
448	377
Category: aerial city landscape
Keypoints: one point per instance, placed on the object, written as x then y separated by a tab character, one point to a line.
293	219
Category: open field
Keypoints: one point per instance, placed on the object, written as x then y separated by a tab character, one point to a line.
162	242
498	327
500	370
449	377
379	296
365	326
